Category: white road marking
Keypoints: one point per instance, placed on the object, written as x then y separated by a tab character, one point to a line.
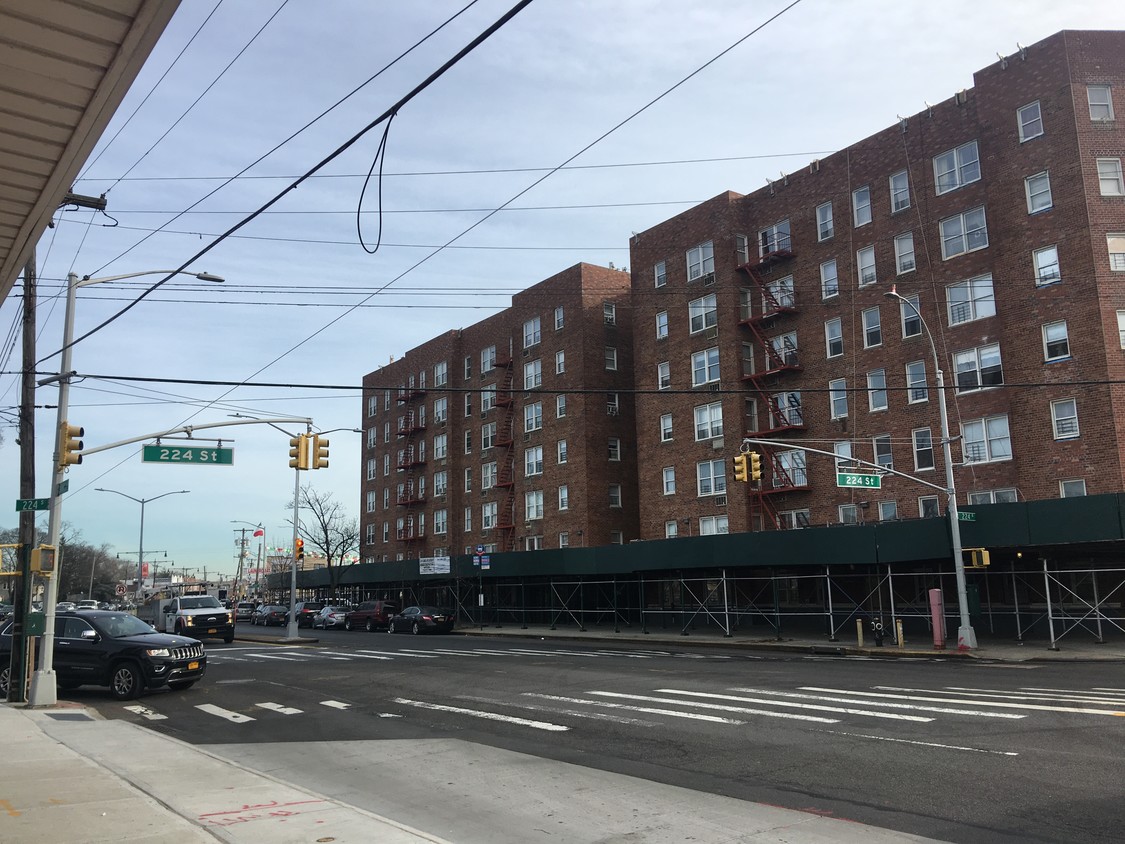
1109	690
600	716
493	653
1045	695
418	654
357	655
887	704
743	710
996	703
489	716
450	652
591	654
313	654
692	716
236	717
922	743
335	704
894	716
275	656
277	707
622	653
144	712
529	652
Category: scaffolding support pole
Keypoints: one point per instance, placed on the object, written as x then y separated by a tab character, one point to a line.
891	594
1097	608
726	606
1016	602
831	614
1050	613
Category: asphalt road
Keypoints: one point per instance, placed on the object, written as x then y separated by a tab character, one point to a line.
959	751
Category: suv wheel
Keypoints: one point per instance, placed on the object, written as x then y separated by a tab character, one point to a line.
125	681
347	624
369	626
5	673
416	628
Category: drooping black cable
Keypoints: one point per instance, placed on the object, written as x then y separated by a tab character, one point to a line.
380	158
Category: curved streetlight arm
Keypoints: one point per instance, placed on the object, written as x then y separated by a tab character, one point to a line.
86	282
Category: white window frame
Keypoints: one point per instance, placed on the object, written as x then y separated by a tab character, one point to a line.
1110	182
615	499
910	317
441	410
562	452
560	406
956	168
532	417
671	529
666	427
1116	241
1046	264
921	444
610	359
1064	419
877	391
660	274
533	374
703	313
774	238
441	521
441	446
979	301
564	497
700	261
488	512
960	232
1037	188
663	375
838	398
668	480
872	327
916	389
905	261
900	191
702	364
661	325
532	333
614	449
560	317
533	505
848	514
882	453
977	362
711	478
441	373
861	206
1029	119
487	397
533	461
829	279
865	266
1101	108
1055	333
1078	485
888	511
931	503
560	362
992	435
487	359
825	228
713	525
834	334
708	421
487	435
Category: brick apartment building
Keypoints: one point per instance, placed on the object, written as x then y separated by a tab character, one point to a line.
1000	215
515	433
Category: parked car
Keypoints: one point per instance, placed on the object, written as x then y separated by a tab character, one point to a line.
6	611
331	617
88	604
243	611
65	606
306	610
268	615
117	650
422	620
371	615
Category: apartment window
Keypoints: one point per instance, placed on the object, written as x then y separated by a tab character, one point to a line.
441	521
843	452
861	206
441	374
865	262
1101	102
533	461
923	449
978	368
468	486
829	280
888	511
1030	121
916	388
612	404
848	514
877	390
441	410
532	333
792	468
669	475
911	316
468	519
1121	329
900	191
386	400
615	495
386	531
703	313
610	359
710	476
824	228
560	407
488	398
928	507
671	529
533	417
705	367
872	328
663	375
712	525
1116	246
487	359
561	451
372	469
994	496
962	233
386	465
488	515
441	482
838	398
774	238
369	538
487	435
661	325
468	370
700	261
487	475
441	446
564	497
986	440
1038	190
532	374
614	449
1046	262
1072	489
560	318
1056	341
904	253
372	500
834	337
468	405
373	436
564	539
1109	177
786	408
533	505
660	274
609	313
881	445
972	299
468	442
372	405
1064	419
957	167
666	426
708	421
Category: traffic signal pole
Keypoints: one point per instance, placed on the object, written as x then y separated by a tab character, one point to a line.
291	631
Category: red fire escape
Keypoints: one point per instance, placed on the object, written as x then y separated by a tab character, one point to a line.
506	460
772	383
411	457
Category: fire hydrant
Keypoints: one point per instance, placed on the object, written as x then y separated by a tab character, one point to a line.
877	632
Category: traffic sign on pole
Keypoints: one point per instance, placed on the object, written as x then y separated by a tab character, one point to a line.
32	504
190	455
857	479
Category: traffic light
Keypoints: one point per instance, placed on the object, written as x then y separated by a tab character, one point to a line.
755	466
300	549
740	468
319	452
299	452
70	446
43	559
975	558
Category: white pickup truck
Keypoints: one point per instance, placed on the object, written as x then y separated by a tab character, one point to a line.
196	616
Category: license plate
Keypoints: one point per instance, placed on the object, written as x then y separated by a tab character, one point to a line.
213	630
192	666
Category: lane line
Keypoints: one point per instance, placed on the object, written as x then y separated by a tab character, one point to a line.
943	709
626	655
893	716
997	703
922	743
691	716
358	655
275	656
145	712
600	716
1077	698
218	711
487	652
277	707
408	653
529	652
488	716
745	710
317	654
335	704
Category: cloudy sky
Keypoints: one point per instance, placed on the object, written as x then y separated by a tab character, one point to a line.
305	305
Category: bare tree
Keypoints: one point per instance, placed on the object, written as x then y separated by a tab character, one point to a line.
329	531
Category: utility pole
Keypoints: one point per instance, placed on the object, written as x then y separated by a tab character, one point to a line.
241	558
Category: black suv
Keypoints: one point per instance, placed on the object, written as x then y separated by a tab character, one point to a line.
306	612
115	649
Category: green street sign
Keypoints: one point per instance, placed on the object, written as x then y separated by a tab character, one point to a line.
63	487
962	516
856	479
32	504
189	455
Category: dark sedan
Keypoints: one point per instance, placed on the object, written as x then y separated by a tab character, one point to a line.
115	649
422	620
268	615
306	612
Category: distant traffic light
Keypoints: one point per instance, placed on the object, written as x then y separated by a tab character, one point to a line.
755	466
70	445
299	452
319	456
300	546
740	468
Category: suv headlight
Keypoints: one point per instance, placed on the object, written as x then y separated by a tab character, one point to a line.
158	652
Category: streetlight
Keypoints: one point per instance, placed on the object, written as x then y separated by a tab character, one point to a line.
141	546
966	636
43	690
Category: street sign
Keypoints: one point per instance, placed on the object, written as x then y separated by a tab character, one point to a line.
32	504
63	487
485	562
196	455
856	479
962	516
120	590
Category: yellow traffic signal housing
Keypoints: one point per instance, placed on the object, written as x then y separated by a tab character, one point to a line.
319	452
755	466
70	445
975	558
300	547
299	452
43	559
740	468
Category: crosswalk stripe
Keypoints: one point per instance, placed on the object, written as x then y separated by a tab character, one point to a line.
997	703
145	712
314	654
922	743
743	710
335	704
489	716
600	716
236	717
1027	695
445	652
357	655
1109	690
529	652
888	704
893	716
418	654
276	656
691	716
628	656
277	707
492	652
